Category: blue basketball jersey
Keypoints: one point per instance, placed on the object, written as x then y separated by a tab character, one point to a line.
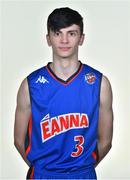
62	131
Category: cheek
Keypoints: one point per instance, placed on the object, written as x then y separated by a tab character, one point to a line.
54	43
54	46
76	43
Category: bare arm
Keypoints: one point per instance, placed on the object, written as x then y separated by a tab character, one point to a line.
22	116
105	126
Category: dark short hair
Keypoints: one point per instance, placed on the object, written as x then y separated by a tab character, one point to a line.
62	18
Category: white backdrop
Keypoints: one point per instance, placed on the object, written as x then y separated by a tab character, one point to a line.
106	48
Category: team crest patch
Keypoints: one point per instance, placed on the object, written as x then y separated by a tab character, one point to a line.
90	78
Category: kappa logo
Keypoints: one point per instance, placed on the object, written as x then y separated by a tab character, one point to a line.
41	79
90	78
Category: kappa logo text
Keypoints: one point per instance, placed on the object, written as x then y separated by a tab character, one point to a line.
41	79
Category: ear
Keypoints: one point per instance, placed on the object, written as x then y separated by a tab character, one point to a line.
48	40
81	39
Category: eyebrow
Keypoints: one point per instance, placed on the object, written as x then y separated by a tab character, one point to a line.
73	31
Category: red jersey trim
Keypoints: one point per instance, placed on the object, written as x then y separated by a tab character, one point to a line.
65	83
29	133
94	155
32	173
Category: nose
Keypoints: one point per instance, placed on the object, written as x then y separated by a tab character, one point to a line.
64	38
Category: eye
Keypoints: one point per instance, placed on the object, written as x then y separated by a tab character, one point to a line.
72	33
57	33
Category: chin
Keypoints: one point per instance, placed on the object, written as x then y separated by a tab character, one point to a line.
65	55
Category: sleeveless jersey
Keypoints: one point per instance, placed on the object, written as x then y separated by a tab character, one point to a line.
62	131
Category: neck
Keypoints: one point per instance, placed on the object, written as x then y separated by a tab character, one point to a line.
64	68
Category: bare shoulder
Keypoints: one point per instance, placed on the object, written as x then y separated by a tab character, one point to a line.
24	86
105	84
23	93
106	91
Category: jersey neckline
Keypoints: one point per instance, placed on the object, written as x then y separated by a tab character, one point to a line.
64	82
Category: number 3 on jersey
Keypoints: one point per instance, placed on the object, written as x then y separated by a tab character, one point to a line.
79	148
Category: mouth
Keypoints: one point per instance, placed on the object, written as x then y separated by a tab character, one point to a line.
64	48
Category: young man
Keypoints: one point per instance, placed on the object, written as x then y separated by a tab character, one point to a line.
64	118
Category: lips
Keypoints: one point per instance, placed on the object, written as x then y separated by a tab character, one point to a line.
64	48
